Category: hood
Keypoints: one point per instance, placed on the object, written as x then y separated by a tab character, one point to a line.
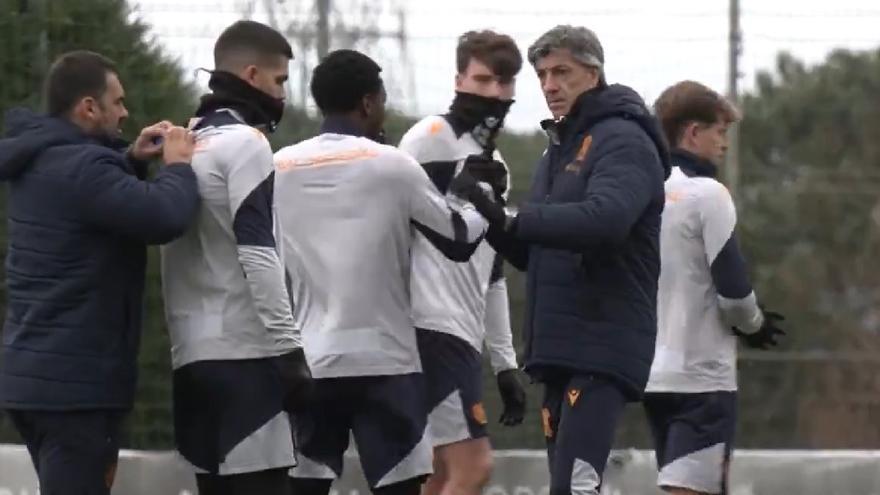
27	135
617	100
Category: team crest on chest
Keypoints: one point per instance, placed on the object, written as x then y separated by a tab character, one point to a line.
580	159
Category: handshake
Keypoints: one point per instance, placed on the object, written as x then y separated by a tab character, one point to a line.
462	177
476	169
478	179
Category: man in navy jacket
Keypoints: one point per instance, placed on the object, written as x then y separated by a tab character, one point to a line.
79	217
588	235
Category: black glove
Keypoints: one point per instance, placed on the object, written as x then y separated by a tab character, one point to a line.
299	387
513	395
766	336
466	185
480	168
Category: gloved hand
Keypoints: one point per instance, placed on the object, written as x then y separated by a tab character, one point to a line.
513	395
766	336
479	168
299	387
466	184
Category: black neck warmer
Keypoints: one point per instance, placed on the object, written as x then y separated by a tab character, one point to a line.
481	116
257	108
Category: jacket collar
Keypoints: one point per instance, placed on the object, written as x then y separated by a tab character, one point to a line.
693	165
557	130
336	124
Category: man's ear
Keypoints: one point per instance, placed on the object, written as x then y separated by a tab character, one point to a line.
366	106
596	75
692	129
249	74
86	109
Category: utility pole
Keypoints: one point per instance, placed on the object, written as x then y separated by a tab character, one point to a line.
323	28
734	52
38	10
316	26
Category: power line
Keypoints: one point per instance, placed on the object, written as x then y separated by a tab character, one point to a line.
631	11
793	39
864	13
230	8
535	34
180	9
493	12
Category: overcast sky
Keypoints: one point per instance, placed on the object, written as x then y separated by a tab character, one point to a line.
648	44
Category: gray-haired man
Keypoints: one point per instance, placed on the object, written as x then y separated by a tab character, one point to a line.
588	235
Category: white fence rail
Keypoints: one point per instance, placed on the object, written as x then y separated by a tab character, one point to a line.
522	472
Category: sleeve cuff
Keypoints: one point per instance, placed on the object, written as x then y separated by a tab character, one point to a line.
140	167
521	223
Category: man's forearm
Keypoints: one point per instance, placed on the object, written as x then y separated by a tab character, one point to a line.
504	241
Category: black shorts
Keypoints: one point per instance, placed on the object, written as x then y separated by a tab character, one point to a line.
693	437
454	387
386	416
229	417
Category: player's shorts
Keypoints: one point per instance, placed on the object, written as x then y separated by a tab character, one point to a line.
386	416
229	417
454	387
693	438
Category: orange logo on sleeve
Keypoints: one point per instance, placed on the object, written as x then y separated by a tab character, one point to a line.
436	127
674	196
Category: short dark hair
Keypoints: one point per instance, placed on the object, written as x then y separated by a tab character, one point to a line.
74	76
498	51
690	101
250	39
342	79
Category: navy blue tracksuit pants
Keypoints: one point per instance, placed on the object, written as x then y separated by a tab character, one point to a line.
74	452
580	415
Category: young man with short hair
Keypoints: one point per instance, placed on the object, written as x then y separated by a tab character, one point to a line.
705	300
459	306
347	205
237	354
